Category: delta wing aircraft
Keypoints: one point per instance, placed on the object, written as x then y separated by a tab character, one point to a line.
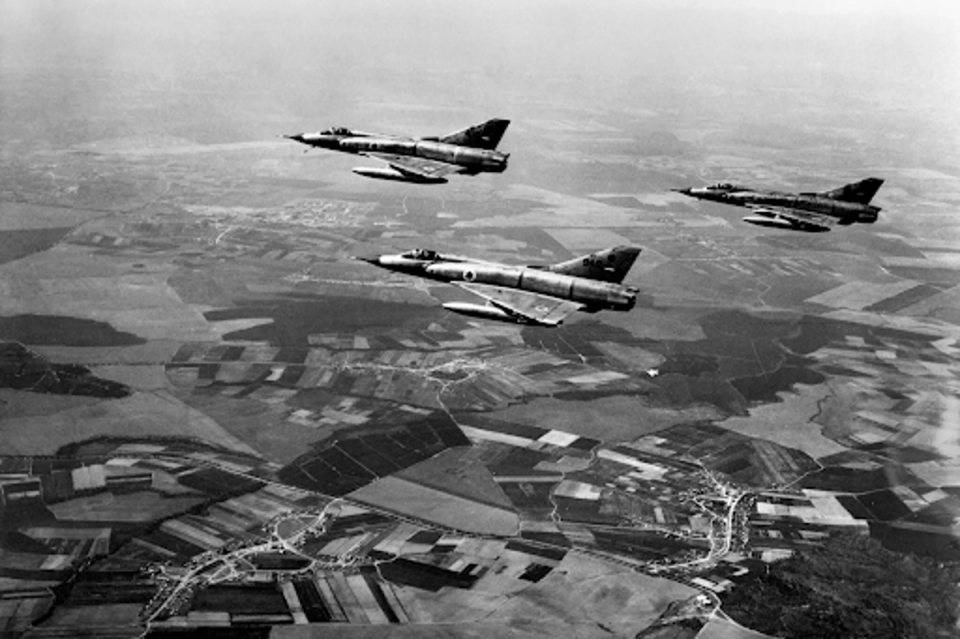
810	212
426	160
538	295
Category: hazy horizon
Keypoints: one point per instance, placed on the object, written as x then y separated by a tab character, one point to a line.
249	70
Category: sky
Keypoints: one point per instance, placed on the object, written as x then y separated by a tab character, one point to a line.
146	64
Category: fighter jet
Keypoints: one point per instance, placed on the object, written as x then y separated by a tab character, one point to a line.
426	160
810	212
537	295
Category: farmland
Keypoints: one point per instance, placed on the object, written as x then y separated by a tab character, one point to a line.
213	418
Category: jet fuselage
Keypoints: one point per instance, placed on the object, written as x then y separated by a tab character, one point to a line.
474	160
594	295
848	212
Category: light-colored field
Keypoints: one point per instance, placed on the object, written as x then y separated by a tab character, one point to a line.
592	598
788	422
556	210
458	471
14	403
68	281
618	418
720	628
937	473
141	377
8	584
17	613
586	589
98	620
140	415
587	239
262	425
859	295
675	324
154	352
653	199
430	504
923	326
948	299
648	260
685	283
129	507
931	259
21	560
635	358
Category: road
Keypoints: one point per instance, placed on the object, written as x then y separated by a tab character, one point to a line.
206	570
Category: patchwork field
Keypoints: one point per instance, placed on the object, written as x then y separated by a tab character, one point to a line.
214	419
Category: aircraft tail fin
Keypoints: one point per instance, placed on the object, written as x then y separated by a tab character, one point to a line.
479	136
610	265
860	192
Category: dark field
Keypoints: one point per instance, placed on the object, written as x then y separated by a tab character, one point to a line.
765	387
533	497
854	507
15	541
942	546
18	244
550	538
406	572
54	330
352	462
310	600
553	554
851	587
643	545
22	369
584	511
907	298
515	461
295	319
854	480
884	504
680	391
941	513
182	548
274	561
817	332
746	351
501	426
458	471
262	600
575	340
934	276
219	483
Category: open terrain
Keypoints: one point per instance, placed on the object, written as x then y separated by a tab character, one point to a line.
211	415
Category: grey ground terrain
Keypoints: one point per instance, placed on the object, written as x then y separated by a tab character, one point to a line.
211	416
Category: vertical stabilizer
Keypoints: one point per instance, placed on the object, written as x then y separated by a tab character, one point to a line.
610	265
479	136
860	192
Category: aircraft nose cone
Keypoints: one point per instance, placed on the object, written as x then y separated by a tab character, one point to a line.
375	260
685	191
296	137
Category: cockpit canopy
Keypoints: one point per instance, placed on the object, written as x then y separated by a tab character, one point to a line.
422	254
722	186
337	130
